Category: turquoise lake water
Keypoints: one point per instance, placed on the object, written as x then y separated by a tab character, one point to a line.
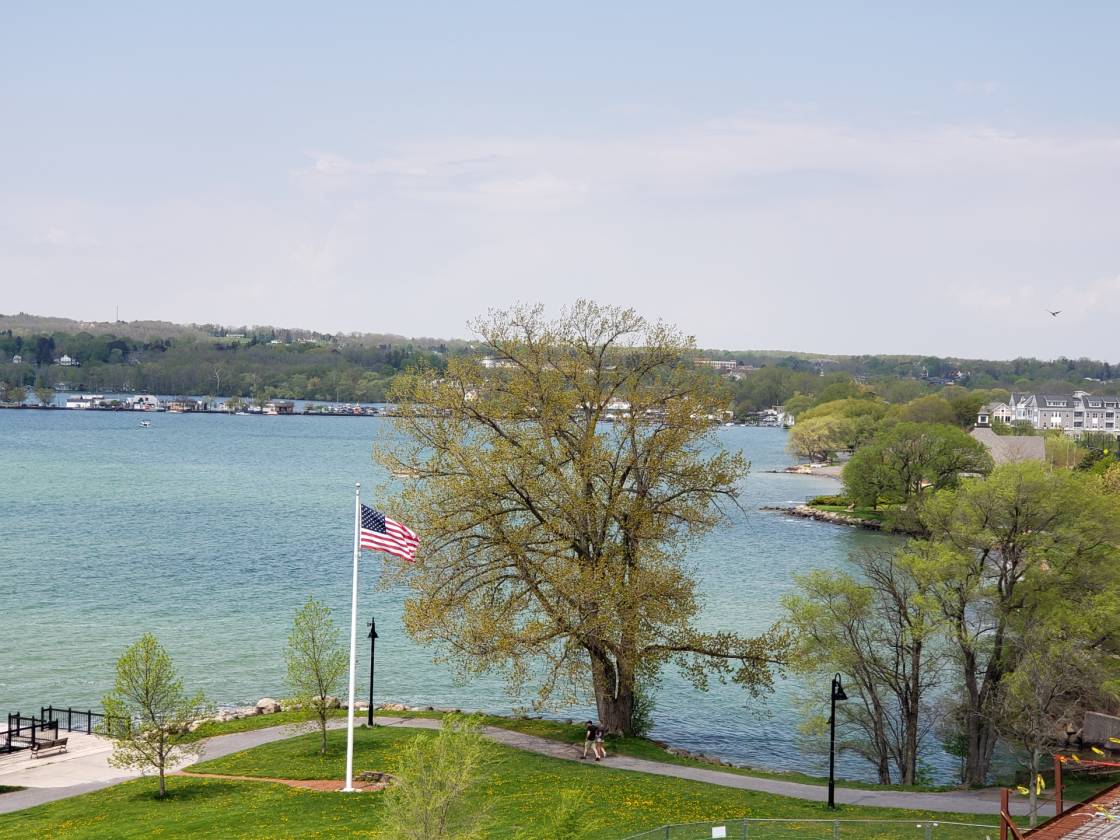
210	531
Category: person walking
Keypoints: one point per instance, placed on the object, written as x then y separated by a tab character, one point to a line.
589	739
600	750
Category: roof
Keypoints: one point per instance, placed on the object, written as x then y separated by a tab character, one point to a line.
1011	449
1096	819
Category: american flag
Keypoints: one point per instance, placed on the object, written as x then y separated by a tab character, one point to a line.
380	533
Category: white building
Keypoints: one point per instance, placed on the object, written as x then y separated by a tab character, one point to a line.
66	361
725	365
17	359
1073	414
144	402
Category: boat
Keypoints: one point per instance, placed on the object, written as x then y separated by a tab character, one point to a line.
144	424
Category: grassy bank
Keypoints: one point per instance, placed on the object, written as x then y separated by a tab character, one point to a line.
520	789
565	733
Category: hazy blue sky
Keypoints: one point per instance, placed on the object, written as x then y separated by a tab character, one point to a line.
839	177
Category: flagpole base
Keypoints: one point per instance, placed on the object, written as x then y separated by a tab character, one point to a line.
349	790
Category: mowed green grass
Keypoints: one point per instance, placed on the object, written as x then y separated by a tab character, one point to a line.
520	788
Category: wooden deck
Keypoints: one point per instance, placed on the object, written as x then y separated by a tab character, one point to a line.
1096	819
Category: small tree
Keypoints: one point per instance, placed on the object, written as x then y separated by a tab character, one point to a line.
435	774
44	393
316	661
1050	686
16	393
147	713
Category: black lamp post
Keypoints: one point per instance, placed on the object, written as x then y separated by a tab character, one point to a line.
372	650
837	694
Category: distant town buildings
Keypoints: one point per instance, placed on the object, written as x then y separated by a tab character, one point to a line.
66	361
17	359
724	365
1073	414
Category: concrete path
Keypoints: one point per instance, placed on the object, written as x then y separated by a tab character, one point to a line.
90	771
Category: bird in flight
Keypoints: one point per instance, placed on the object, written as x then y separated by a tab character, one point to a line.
1053	313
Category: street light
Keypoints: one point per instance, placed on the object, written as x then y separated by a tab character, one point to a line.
372	650
837	694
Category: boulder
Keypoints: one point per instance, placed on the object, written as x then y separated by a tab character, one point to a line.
393	707
267	706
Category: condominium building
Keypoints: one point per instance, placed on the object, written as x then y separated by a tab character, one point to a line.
1074	413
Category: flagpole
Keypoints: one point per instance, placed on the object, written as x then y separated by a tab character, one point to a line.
353	643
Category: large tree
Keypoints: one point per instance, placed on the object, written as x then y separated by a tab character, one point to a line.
1025	545
908	460
557	490
876	627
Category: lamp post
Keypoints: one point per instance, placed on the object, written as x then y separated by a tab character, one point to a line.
372	650
837	694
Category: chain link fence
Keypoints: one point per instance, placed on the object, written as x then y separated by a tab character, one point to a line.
773	829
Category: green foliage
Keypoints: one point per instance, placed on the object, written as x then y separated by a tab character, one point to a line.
1027	547
316	661
538	515
820	438
908	460
875	627
849	407
930	409
147	712
838	501
435	774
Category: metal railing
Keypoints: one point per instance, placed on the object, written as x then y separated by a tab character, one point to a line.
73	720
25	732
751	828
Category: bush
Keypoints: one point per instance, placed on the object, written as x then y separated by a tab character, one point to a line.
842	501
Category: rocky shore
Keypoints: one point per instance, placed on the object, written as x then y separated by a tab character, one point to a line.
833	517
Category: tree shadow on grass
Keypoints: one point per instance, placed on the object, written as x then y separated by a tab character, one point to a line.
181	790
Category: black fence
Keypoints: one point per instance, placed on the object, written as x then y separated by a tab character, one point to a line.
25	732
73	720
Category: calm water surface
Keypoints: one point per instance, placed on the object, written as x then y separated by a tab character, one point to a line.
210	531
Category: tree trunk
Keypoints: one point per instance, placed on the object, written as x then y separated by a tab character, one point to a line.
614	695
323	732
981	744
162	787
1033	788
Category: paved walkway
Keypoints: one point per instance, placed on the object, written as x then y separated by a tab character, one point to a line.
48	782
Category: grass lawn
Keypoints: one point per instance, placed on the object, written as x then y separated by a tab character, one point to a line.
521	789
647	749
559	731
857	513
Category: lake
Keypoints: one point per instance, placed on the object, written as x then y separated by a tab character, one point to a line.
211	530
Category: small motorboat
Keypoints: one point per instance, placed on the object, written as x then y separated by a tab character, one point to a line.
144	424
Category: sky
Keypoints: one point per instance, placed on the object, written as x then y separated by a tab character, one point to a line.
836	177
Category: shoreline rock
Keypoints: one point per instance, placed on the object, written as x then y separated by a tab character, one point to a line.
832	517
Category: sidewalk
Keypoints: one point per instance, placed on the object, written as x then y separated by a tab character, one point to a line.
88	770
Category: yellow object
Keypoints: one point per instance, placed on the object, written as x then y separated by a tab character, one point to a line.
1075	757
1023	790
1114	740
1097	751
1039	784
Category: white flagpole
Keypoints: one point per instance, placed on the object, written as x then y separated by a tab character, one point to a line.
353	643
